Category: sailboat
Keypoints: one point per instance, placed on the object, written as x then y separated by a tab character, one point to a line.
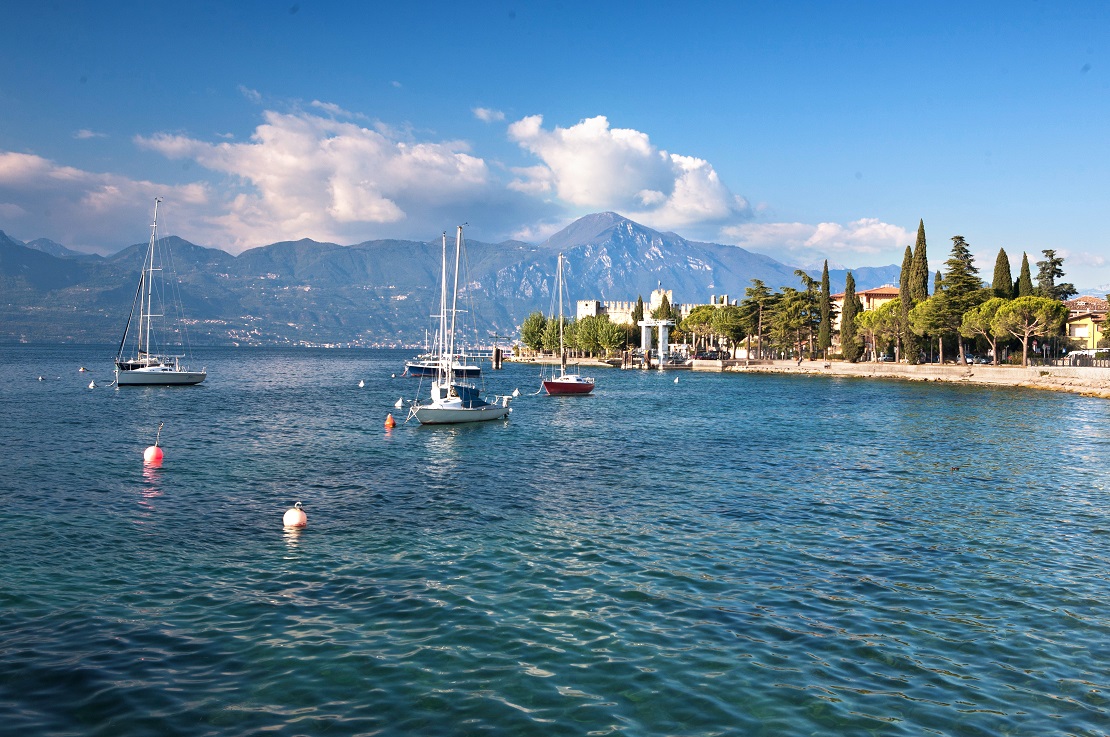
453	400
564	382
150	365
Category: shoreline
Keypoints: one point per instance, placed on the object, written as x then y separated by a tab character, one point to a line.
1083	380
1087	381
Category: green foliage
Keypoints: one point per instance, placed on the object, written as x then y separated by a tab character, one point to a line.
919	268
908	337
532	330
611	337
979	322
1028	317
1048	271
850	346
824	334
1025	281
728	321
756	306
1003	285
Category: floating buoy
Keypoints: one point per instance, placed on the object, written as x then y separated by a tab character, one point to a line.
295	516
82	369
399	403
676	379
390	422
361	383
40	378
516	392
152	456
92	384
393	376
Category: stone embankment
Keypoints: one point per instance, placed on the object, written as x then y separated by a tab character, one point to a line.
1085	380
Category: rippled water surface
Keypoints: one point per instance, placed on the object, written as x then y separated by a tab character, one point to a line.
728	554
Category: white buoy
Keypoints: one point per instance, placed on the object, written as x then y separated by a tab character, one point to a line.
361	383
393	376
92	384
516	392
676	379
399	403
40	378
295	516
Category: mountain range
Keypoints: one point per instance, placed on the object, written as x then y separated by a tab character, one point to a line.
373	293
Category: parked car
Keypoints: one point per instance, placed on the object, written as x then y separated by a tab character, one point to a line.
886	357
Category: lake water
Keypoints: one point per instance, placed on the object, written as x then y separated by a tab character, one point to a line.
754	555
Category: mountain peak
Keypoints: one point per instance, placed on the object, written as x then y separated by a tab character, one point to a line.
588	229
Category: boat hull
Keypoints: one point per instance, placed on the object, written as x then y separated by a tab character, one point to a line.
557	387
164	376
429	368
457	414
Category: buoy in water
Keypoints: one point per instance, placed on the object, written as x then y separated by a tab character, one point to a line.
40	378
676	379
152	456
399	403
361	383
82	369
295	516
393	376
390	422
92	384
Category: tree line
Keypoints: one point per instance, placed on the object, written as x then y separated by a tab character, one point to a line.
960	312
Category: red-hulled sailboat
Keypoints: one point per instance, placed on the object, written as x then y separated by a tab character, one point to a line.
564	382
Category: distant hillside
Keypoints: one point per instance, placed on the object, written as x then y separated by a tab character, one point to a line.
373	293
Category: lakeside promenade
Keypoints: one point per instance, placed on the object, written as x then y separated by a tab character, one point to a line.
1088	381
1085	380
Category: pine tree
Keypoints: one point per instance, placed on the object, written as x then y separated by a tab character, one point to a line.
850	346
963	289
1025	281
824	333
919	271
1003	285
1047	272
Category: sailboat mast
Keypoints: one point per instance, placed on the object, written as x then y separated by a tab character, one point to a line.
559	286
150	280
455	296
441	338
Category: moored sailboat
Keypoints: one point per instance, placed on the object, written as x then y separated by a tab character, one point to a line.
564	382
452	400
151	363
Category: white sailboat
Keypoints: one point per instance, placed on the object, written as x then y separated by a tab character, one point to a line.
452	400
564	382
150	364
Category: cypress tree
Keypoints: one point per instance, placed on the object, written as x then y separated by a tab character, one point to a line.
824	333
1025	281
850	346
919	278
637	316
905	302
1003	285
938	283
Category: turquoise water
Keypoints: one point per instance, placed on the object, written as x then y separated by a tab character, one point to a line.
755	555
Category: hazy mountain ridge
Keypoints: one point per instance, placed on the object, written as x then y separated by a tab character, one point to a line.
375	292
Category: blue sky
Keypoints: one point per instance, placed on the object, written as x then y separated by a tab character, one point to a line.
802	130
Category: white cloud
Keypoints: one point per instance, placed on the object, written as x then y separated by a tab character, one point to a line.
302	175
595	167
335	110
862	239
85	210
85	134
252	95
488	116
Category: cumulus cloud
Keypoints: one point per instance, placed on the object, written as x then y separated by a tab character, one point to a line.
303	175
488	116
860	239
593	166
85	210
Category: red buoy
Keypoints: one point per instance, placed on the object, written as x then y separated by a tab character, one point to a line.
390	422
152	456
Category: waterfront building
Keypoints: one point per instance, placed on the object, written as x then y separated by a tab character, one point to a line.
1087	321
620	312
